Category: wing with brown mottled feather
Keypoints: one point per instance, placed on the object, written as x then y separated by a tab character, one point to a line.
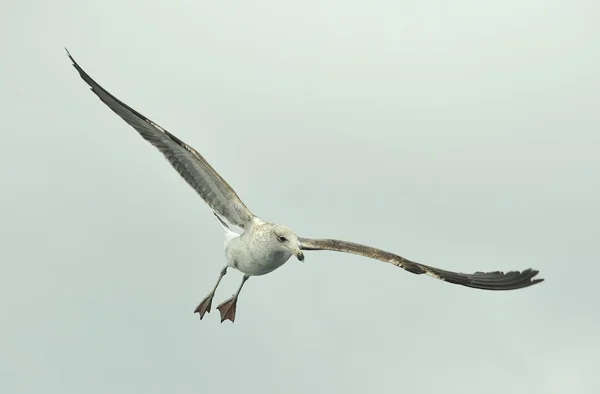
479	280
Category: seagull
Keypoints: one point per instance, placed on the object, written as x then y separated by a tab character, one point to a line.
262	247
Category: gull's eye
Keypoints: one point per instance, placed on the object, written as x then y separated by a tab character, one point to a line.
282	239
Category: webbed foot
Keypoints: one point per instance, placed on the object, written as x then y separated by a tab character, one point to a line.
227	309
204	305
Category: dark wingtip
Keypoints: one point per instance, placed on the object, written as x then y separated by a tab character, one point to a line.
70	56
520	280
496	280
532	274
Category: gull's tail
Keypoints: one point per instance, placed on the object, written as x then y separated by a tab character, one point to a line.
229	235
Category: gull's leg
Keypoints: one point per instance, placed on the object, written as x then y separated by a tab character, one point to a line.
227	308
204	305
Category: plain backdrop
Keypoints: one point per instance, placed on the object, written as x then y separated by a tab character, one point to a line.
463	135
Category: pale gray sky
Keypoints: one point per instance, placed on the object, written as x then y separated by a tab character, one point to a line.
463	135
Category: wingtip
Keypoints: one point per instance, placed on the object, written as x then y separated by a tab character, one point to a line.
533	273
529	277
73	62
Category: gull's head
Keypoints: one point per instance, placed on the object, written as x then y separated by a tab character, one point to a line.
287	240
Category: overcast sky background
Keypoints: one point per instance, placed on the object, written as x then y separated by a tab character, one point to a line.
465	136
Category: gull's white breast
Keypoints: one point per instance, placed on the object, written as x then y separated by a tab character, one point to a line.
252	254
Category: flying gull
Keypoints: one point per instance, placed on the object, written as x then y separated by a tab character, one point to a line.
262	246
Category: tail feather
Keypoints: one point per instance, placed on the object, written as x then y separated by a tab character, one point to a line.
229	235
225	225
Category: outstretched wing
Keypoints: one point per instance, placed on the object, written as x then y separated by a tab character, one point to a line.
186	160
479	280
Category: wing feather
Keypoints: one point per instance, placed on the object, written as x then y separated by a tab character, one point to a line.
215	191
496	280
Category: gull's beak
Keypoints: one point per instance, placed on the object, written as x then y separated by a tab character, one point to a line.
297	251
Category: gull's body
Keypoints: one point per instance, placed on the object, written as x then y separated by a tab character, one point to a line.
263	247
251	252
